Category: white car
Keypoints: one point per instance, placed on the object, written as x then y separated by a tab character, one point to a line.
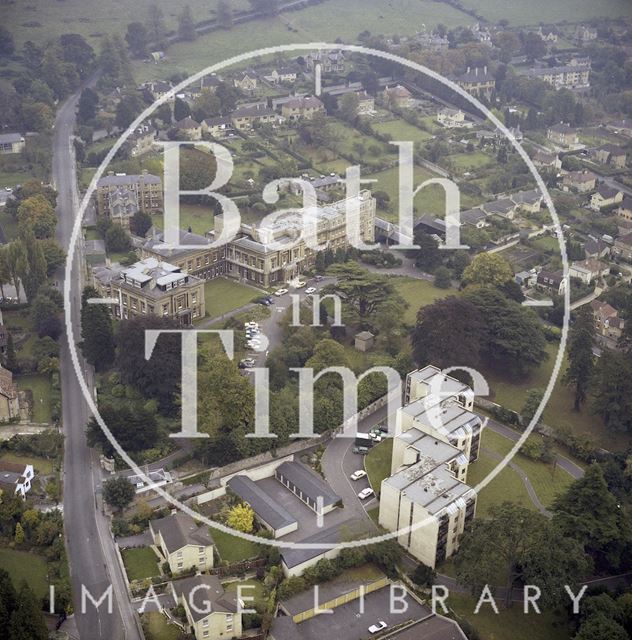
300	284
356	475
280	292
365	493
375	628
310	290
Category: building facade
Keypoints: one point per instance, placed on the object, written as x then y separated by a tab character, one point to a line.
146	187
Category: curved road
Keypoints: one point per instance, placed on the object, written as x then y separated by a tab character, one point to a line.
91	553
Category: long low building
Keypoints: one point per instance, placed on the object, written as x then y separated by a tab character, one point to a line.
270	514
307	486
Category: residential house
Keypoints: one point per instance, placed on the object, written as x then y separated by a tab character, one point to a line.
548	34
157	89
527	201
588	270
210	83
547	160
563	135
605	196
282	75
623	246
9	396
579	181
147	188
585	34
330	61
574	76
189	128
474	217
503	207
552	281
151	287
193	255
122	204
211	612
436	438
625	208
244	118
246	81
452	118
302	108
477	82
398	96
610	154
526	279
607	321
11	143
432	41
141	141
16	478
596	248
219	127
182	543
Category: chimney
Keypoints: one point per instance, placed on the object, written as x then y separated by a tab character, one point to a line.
476	72
485	69
468	70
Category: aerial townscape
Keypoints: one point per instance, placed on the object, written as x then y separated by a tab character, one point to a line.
316	320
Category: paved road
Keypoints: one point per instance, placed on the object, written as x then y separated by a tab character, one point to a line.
90	547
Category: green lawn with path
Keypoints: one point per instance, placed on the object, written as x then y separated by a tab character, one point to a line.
249	589
40	386
378	463
418	293
222	295
156	627
140	563
26	566
233	549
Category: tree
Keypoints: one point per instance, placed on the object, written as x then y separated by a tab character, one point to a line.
87	106
612	391
625	340
186	26
135	428
16	263
348	107
7	46
241	518
580	355
19	534
37	214
438	325
531	404
140	223
181	109
598	627
45	313
10	360
533	45
97	334
77	52
224	14
266	7
127	110
443	278
428	257
33	268
54	255
156	28
116	239
137	39
27	620
488	269
118	492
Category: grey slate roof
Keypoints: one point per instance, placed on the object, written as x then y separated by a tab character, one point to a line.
179	530
122	180
208	590
261	502
312	485
6	138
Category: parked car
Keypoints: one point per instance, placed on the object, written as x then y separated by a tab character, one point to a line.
300	284
280	292
365	493
356	475
361	450
318	278
264	301
310	290
376	628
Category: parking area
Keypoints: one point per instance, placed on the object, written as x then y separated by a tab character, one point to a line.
348	623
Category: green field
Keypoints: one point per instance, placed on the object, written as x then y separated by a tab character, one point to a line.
40	386
232	549
196	217
469	161
543	11
223	295
509	624
41	465
26	566
140	563
402	131
156	627
418	293
378	464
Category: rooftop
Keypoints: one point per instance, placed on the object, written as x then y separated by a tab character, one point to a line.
179	530
207	594
311	484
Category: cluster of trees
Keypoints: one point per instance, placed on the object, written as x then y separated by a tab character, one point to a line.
21	616
118	492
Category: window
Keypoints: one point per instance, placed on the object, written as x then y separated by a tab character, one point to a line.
205	634
205	622
179	554
180	565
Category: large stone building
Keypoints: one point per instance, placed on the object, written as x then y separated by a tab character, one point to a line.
152	287
146	188
575	75
436	438
477	82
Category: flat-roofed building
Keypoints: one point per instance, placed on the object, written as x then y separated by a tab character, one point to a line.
151	287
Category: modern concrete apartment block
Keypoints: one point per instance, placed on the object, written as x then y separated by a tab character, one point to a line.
437	436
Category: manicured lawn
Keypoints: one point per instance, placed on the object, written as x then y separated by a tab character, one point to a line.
140	563
547	243
157	628
418	293
234	549
40	387
223	295
469	161
401	130
378	463
509	624
26	566
196	217
13	178
249	589
41	465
